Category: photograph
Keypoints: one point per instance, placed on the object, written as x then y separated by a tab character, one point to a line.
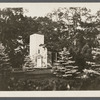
49	47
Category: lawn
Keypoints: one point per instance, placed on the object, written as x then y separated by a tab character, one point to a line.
44	80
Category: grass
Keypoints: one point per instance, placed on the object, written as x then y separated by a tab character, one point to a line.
44	76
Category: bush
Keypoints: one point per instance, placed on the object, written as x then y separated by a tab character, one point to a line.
28	63
4	60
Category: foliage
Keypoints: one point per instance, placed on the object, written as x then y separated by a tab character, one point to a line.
78	31
73	28
15	29
28	63
4	60
76	25
47	27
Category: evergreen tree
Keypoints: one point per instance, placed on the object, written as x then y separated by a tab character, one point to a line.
4	61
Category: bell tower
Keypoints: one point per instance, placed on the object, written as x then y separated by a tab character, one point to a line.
38	53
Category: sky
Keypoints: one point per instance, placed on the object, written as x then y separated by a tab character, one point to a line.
41	9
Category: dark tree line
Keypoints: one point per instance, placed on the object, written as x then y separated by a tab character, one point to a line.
74	28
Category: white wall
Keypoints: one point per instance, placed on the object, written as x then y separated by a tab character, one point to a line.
35	41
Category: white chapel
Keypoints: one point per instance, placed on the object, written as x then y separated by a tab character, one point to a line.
38	53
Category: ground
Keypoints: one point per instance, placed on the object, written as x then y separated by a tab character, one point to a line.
43	79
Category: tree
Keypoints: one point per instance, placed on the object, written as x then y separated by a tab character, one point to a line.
4	60
80	28
15	29
5	67
28	63
48	28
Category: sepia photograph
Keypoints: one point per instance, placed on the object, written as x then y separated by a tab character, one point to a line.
49	47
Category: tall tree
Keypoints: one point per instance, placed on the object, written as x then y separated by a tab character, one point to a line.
49	28
81	30
15	29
